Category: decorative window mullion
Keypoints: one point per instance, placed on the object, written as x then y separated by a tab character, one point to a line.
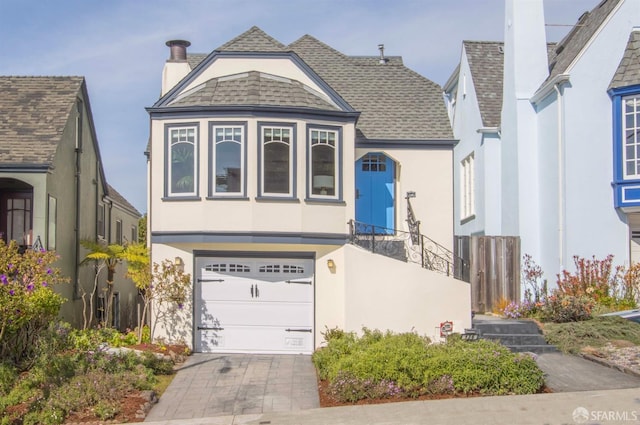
324	171
182	155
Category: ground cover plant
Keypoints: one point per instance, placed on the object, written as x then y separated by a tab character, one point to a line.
50	373
76	376
597	332
381	365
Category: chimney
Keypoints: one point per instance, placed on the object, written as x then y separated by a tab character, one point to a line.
382	60
178	50
176	67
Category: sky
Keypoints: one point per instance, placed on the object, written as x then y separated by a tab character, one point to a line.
119	47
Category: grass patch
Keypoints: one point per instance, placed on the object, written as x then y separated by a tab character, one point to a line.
573	337
163	382
386	365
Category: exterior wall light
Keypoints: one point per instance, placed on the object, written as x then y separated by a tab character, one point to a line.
331	264
179	262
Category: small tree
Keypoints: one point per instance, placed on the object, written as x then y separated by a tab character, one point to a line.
102	256
163	287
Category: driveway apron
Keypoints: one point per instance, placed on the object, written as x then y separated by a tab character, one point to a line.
235	384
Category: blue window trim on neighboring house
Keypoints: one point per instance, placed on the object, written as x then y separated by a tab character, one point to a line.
168	195
626	190
212	194
293	154
338	170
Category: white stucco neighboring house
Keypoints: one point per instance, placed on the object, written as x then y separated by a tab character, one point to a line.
275	171
543	124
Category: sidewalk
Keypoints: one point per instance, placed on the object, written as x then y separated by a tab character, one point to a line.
589	407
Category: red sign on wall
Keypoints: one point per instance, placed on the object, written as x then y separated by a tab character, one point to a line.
446	328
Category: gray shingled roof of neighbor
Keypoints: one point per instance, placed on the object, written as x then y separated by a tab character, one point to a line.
33	114
573	43
628	72
395	102
486	61
119	199
253	88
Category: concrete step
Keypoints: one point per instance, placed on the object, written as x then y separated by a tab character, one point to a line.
519	327
537	349
516	339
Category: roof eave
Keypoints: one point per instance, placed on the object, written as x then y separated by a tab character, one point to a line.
159	112
547	88
25	168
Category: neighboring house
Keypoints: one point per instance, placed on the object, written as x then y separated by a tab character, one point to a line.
262	154
542	154
53	192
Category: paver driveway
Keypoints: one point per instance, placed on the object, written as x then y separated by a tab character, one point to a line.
234	384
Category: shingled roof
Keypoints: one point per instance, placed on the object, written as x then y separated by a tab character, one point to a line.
628	72
573	43
33	114
119	199
395	103
253	40
486	61
253	88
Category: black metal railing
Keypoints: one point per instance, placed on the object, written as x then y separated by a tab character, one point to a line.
407	246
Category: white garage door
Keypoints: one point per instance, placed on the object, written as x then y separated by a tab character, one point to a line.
257	305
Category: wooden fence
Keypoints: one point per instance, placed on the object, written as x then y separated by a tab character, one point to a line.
494	268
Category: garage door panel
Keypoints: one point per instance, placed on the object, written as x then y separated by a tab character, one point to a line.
254	305
266	340
252	289
252	314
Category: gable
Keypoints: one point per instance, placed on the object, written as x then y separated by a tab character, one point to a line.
570	47
211	82
35	111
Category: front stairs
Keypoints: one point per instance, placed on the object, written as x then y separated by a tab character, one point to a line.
517	335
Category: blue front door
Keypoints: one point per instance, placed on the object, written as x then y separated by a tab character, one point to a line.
375	192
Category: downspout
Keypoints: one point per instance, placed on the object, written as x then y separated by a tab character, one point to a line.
78	163
561	207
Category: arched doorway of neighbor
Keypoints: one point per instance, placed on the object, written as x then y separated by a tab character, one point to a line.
16	211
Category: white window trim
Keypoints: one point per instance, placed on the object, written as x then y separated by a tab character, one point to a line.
243	166
467	187
336	159
263	192
195	161
636	175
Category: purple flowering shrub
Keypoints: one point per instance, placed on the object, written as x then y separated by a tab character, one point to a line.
27	301
383	365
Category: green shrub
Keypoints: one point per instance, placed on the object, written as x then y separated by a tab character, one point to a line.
158	365
8	377
381	365
27	301
562	308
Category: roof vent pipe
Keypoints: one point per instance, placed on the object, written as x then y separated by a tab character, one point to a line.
383	60
178	50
